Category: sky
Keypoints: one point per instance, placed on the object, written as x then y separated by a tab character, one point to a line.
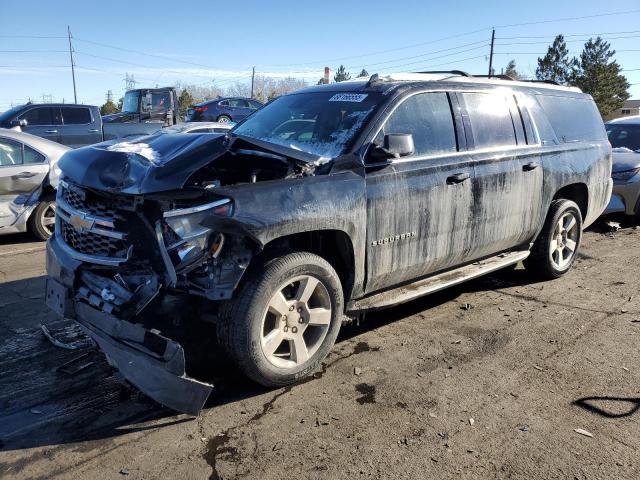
208	42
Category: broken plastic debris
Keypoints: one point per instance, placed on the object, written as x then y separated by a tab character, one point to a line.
583	432
56	342
471	421
357	371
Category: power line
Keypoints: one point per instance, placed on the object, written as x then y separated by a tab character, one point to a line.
567	19
570	35
33	51
567	41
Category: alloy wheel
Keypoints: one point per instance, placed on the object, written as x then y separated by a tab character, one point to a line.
564	241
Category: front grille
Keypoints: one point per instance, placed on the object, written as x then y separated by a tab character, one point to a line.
90	243
90	225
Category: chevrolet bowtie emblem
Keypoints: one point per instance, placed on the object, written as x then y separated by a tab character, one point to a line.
80	222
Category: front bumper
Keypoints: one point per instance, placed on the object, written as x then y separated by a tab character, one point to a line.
624	198
152	363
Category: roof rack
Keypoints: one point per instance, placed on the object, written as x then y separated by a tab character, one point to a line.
452	72
500	76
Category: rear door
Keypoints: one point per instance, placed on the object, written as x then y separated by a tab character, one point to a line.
419	208
22	171
43	121
508	184
79	127
239	109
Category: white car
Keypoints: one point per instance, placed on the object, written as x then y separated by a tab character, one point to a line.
28	182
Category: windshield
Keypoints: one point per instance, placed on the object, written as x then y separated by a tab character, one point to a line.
624	137
319	123
130	102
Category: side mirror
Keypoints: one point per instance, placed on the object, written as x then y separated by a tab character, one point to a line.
19	123
395	145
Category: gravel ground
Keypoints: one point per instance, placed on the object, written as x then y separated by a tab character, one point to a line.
431	389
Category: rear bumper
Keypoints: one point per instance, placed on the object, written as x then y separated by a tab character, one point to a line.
152	363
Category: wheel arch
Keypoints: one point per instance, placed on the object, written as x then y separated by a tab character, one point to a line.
335	246
577	192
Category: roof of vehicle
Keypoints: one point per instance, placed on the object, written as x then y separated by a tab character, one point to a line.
57	105
42	144
386	82
219	99
632	120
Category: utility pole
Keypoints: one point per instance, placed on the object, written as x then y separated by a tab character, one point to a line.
493	40
253	76
129	82
73	72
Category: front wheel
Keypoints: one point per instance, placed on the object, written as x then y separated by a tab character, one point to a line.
284	320
42	220
556	248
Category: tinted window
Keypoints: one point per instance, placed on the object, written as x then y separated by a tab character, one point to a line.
490	120
224	103
573	119
31	156
624	136
426	116
76	116
254	104
10	153
38	116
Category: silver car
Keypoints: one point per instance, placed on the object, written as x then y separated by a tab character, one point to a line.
28	182
624	136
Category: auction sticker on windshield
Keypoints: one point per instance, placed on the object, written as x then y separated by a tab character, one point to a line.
348	97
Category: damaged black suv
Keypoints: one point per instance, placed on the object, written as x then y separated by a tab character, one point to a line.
326	203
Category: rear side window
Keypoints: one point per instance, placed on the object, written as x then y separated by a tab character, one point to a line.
76	116
490	120
31	156
573	119
428	118
38	116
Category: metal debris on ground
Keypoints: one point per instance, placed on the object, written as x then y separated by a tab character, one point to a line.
523	428
56	342
583	432
71	369
124	471
538	368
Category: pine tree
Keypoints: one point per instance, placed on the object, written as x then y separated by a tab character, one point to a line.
185	100
511	71
556	64
363	73
108	108
341	74
600	76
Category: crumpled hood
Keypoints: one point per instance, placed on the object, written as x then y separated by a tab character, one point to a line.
148	164
624	161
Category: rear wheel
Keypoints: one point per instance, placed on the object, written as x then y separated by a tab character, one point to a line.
224	119
284	320
556	248
42	220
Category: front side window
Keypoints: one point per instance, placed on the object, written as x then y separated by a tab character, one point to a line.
10	153
38	116
428	118
490	120
320	123
130	102
76	116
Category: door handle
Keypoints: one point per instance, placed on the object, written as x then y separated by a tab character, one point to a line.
23	175
527	167
51	131
94	130
457	178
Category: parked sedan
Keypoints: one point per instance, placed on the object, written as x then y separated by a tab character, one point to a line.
624	136
28	182
223	110
199	127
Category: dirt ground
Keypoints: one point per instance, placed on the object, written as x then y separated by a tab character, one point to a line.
487	380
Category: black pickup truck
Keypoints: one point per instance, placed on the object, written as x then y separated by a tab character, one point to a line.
326	203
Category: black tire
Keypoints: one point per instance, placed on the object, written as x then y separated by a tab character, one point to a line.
36	223
223	119
242	321
542	260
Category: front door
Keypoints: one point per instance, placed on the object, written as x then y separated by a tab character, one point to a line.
44	122
18	180
79	127
419	208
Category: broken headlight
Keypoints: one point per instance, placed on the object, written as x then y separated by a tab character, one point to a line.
185	237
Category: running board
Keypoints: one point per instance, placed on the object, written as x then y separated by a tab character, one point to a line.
409	292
